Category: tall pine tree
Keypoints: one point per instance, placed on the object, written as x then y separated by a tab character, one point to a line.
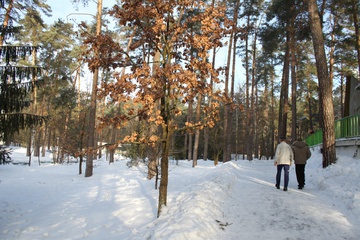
16	80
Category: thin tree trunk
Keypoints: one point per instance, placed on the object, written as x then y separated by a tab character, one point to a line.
152	152
167	134
267	119
43	147
197	131
38	144
185	148
342	90
332	50
92	115
78	80
190	134
309	96
256	121
206	129
253	118
82	118
247	98
284	95
272	118
232	83
357	30
112	149
294	123
226	107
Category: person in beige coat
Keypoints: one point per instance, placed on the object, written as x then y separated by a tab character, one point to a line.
283	160
301	154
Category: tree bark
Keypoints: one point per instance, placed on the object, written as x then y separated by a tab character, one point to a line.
272	119
197	131
226	107
284	95
92	115
112	149
206	128
294	122
166	136
357	31
325	86
190	134
332	50
253	123
247	98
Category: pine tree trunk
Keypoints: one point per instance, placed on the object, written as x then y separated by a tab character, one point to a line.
82	133
294	123
43	140
252	123
325	86
38	144
226	107
247	100
255	126
206	143
112	149
197	131
266	117
29	143
332	50
342	91
232	83
284	95
92	115
272	119
206	129
309	97
357	30
190	134
185	148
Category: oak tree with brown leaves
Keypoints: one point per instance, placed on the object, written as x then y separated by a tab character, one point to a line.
154	92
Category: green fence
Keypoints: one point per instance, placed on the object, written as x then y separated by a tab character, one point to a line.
344	128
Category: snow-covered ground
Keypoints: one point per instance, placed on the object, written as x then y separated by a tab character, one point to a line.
236	200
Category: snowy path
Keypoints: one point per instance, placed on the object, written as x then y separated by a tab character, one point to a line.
232	201
260	211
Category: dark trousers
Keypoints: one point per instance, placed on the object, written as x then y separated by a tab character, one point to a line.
300	174
286	174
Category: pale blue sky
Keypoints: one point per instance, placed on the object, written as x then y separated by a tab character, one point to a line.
67	11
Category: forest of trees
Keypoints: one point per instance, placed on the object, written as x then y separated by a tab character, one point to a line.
191	80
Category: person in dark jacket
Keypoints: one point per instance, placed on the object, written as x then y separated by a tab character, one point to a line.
301	154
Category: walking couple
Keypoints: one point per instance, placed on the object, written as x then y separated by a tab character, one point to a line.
285	155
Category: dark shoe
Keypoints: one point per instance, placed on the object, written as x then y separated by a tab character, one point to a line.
277	186
285	189
300	187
